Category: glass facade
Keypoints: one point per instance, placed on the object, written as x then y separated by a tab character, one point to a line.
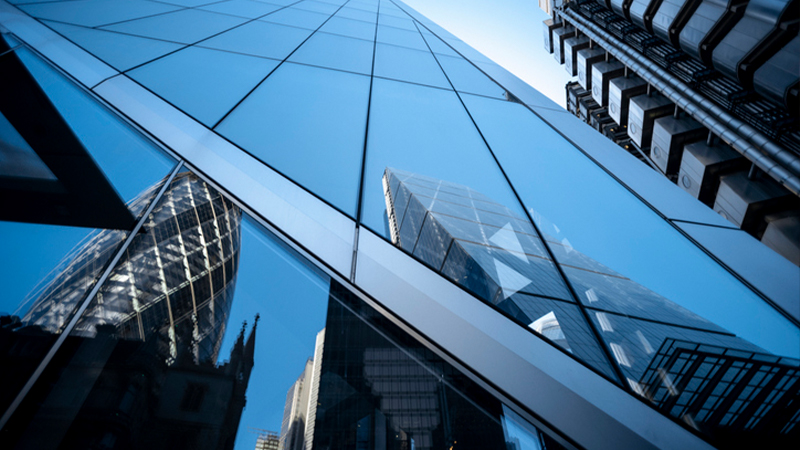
331	224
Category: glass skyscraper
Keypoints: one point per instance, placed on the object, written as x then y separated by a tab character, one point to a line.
486	271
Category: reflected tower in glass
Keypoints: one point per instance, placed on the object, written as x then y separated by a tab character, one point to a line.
177	277
475	242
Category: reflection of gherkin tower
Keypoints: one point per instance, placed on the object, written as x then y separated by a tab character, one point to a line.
177	277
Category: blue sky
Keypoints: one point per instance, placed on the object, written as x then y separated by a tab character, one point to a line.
509	32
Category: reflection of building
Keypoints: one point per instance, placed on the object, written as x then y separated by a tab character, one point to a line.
368	392
739	397
478	244
177	276
136	400
295	412
300	410
268	440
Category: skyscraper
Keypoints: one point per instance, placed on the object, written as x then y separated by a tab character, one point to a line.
704	92
317	119
187	287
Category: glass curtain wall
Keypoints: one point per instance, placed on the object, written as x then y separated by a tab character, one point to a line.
394	123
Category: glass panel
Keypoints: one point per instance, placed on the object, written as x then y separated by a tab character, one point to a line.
118	50
242	8
635	343
425	132
187	26
309	124
369	5
405	64
93	13
62	249
438	46
467	78
159	359
351	28
662	260
113	145
325	8
400	37
563	324
618	294
357	14
297	18
204	83
260	39
664	309
188	3
396	22
336	52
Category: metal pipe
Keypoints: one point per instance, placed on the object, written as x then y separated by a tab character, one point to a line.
778	162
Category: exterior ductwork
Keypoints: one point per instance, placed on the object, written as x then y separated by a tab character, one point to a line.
779	163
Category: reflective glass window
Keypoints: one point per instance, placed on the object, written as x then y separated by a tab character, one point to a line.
396	22
122	51
242	8
309	124
586	220
260	39
208	312
357	14
93	13
113	145
186	26
467	78
320	7
297	18
90	187
425	131
406	64
204	83
438	46
336	52
350	28
401	37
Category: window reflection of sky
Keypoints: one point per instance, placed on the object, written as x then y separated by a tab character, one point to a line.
33	251
597	215
129	162
292	301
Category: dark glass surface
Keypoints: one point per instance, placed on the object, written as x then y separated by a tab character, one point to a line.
47	258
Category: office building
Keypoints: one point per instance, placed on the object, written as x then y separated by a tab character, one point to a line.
268	440
704	92
193	238
314	122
